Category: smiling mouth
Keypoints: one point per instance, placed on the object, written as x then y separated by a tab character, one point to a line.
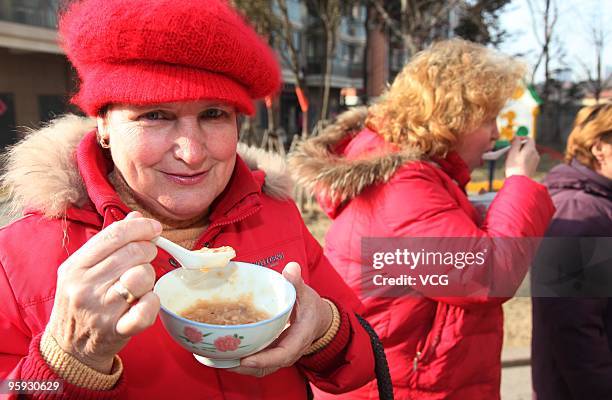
180	175
186	179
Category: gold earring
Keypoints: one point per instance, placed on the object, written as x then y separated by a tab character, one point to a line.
104	143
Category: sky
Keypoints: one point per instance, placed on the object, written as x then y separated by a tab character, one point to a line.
571	31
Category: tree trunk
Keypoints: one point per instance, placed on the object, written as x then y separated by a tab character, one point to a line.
598	86
329	49
271	124
304	124
546	51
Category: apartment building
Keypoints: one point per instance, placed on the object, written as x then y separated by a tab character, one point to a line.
35	77
348	68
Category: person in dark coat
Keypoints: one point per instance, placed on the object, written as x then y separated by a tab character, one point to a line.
572	321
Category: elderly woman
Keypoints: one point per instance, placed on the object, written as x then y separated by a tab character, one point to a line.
399	170
166	81
572	333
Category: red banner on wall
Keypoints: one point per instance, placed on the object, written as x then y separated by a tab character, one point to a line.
268	101
301	99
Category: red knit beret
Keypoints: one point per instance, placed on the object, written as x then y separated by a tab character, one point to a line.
153	51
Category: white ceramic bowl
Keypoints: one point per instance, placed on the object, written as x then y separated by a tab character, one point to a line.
222	346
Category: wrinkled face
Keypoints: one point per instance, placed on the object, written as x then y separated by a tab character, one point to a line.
176	157
474	144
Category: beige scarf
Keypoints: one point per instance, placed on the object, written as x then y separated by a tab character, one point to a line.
184	233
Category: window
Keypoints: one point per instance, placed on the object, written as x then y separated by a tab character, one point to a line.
8	134
397	59
297	41
50	106
31	12
316	47
294	9
357	12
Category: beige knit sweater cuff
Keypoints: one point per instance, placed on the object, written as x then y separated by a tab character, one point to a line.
326	339
74	371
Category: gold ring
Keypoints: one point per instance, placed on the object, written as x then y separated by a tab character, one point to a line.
124	292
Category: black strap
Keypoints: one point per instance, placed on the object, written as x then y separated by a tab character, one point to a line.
381	367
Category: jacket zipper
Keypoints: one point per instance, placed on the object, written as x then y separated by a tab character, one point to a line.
210	229
421	355
415	361
430	347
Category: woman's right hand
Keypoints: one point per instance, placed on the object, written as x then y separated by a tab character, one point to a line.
90	320
522	160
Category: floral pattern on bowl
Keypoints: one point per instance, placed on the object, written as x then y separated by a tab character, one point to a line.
195	338
223	346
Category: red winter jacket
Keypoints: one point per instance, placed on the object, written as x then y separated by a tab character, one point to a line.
437	347
263	229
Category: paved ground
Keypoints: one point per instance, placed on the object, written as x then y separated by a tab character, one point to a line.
516	374
516	383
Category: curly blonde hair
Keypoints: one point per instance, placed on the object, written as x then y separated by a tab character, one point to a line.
592	123
444	92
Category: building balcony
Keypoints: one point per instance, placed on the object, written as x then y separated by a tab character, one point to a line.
28	25
352	30
38	13
344	69
343	74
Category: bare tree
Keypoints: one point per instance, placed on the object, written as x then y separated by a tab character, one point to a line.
543	23
271	18
596	81
552	58
479	21
330	14
260	14
294	60
415	23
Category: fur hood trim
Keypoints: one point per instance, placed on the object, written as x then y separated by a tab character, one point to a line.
319	169
41	171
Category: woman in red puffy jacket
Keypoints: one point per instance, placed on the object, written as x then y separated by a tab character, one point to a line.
399	170
164	83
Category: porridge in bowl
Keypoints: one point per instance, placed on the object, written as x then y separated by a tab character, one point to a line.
236	294
233	312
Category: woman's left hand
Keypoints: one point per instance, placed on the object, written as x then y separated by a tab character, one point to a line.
310	320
